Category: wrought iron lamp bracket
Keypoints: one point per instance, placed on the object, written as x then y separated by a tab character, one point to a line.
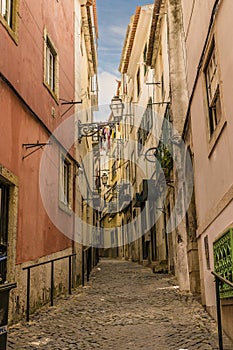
70	103
90	129
154	151
38	146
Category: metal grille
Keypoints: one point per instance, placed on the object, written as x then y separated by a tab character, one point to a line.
223	261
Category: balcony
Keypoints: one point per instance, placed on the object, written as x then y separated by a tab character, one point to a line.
223	261
112	208
124	201
147	190
137	202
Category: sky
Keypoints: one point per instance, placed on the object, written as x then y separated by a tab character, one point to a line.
113	19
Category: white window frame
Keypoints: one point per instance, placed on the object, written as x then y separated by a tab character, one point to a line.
51	76
9	17
66	181
93	84
213	89
65	192
6	10
50	67
138	82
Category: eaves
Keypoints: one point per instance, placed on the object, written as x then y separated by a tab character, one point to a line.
154	32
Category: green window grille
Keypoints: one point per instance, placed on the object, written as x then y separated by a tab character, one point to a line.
223	261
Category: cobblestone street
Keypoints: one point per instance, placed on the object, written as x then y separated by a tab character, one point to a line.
124	306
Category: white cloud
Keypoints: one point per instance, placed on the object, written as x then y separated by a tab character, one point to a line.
107	87
118	30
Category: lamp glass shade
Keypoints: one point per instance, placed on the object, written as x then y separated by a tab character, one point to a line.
104	179
117	108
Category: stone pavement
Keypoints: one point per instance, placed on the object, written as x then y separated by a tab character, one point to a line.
125	306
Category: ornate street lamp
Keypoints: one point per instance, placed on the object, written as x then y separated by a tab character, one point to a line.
117	108
104	179
93	129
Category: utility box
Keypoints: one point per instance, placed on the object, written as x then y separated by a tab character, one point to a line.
4	304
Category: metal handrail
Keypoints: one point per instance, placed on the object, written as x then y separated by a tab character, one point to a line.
28	268
219	279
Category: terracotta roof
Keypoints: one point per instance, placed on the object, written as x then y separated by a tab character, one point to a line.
88	3
129	44
93	49
155	19
87	20
124	49
95	18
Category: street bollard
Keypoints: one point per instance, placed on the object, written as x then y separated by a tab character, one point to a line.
4	304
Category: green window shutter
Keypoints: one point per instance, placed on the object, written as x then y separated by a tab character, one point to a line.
223	261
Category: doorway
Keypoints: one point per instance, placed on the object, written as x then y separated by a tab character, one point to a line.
4	216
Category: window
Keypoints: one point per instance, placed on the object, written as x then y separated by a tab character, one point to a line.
66	177
149	114
162	88
213	92
124	81
144	58
140	139
131	114
65	182
51	67
114	169
133	167
7	11
145	126
93	83
138	82
8	16
223	261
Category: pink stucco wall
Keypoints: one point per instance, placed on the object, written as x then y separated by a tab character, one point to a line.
23	65
212	160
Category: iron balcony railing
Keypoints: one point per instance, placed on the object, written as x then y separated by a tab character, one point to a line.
219	282
223	261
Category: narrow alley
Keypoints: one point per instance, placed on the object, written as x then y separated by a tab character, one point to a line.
124	306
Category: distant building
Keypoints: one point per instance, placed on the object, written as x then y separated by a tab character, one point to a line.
176	75
145	90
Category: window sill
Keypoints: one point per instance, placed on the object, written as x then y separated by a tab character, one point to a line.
65	207
52	93
215	136
11	32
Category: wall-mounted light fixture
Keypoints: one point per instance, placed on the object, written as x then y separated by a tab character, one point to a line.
104	179
91	129
117	108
